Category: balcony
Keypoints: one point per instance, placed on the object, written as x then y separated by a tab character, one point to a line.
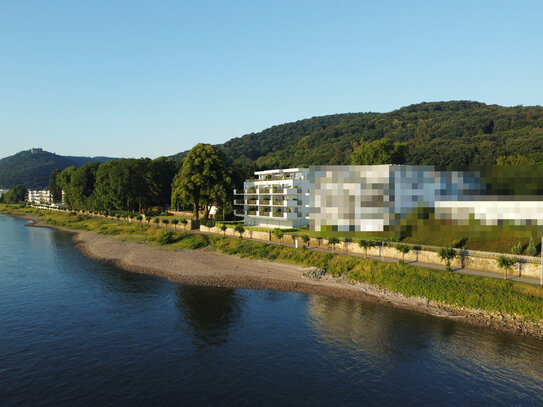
263	213
278	215
279	202
263	190
252	201
239	202
264	202
251	213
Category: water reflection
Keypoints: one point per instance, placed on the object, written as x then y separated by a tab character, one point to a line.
210	312
398	336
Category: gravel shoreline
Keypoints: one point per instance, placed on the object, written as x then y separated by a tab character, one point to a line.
209	268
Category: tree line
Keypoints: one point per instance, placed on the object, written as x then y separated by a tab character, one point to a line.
143	185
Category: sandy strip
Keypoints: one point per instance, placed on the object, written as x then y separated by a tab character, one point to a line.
209	268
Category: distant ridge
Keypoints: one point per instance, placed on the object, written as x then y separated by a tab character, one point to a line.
446	134
33	167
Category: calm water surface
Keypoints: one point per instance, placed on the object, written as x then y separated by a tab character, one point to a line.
77	332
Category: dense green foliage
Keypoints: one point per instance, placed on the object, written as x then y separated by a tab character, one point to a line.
447	134
119	185
54	186
14	195
205	178
33	167
382	151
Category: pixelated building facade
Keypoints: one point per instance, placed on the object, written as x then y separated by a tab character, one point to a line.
374	198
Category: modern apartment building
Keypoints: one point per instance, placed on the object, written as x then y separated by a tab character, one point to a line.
375	198
39	196
274	199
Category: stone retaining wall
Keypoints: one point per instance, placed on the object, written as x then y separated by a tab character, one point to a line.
488	264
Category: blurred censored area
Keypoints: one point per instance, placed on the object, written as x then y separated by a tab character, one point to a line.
391	197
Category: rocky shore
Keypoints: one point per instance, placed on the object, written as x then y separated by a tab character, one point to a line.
209	268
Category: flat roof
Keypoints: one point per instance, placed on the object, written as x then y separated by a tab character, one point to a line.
281	171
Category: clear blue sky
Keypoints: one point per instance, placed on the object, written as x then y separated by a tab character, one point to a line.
151	78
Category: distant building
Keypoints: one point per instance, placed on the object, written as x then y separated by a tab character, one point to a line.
375	198
39	196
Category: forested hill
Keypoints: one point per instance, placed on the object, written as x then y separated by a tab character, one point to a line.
32	168
446	134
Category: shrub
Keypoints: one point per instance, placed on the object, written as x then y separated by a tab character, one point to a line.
531	250
175	222
517	249
459	242
278	233
167	237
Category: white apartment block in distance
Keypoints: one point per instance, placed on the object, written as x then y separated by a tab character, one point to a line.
275	199
39	196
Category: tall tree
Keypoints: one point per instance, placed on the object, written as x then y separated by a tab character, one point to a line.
64	180
54	186
82	185
203	179
160	173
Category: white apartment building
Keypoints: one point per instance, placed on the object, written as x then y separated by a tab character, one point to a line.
39	196
275	199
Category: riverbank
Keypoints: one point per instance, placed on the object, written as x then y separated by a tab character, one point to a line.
207	267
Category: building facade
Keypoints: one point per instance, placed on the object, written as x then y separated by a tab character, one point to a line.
39	196
375	198
274	199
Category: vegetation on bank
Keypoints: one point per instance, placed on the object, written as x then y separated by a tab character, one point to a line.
451	288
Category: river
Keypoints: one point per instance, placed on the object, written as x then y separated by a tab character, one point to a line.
78	332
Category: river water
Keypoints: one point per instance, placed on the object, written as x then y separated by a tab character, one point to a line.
77	332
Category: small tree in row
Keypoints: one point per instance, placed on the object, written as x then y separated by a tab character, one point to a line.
505	263
240	229
366	244
447	254
332	242
223	228
278	233
403	249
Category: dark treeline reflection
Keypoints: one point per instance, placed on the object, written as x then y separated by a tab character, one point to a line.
210	311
